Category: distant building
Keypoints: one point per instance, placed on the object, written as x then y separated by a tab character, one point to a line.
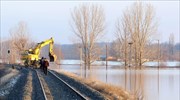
102	57
109	58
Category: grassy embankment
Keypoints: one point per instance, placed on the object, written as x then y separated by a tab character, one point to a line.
109	91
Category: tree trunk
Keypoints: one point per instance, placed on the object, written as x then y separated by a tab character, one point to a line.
140	60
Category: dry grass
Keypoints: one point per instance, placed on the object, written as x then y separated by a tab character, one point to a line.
28	88
109	91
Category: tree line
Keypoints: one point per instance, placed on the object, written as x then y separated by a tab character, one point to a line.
135	28
134	32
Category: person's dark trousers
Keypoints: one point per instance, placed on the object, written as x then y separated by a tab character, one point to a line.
42	68
45	70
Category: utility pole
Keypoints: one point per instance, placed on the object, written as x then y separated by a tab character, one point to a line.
106	61
158	63
106	57
130	43
0	48
80	55
158	53
9	56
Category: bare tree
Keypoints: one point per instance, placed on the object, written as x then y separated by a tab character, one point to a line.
138	25
20	38
123	37
88	26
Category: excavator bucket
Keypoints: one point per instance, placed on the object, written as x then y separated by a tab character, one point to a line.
52	57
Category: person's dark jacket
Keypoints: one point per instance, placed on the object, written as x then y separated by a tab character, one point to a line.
46	63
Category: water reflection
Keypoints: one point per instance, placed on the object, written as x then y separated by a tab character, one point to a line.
149	84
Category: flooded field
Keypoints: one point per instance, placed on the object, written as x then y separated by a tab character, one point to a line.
151	84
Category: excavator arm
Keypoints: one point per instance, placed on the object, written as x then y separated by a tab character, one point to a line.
38	47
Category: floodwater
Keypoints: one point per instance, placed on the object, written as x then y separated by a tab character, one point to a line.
149	84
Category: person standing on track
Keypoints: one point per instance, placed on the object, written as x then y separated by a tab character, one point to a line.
41	63
45	66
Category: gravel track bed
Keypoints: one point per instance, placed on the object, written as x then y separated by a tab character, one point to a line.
45	87
17	92
6	73
58	89
82	88
27	95
37	93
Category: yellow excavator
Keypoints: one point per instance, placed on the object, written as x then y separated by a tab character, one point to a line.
31	56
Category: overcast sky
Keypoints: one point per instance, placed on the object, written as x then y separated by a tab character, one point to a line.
47	19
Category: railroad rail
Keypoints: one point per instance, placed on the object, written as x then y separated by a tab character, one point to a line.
42	87
77	92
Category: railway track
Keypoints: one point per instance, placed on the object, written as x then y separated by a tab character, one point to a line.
60	87
42	87
83	97
54	86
